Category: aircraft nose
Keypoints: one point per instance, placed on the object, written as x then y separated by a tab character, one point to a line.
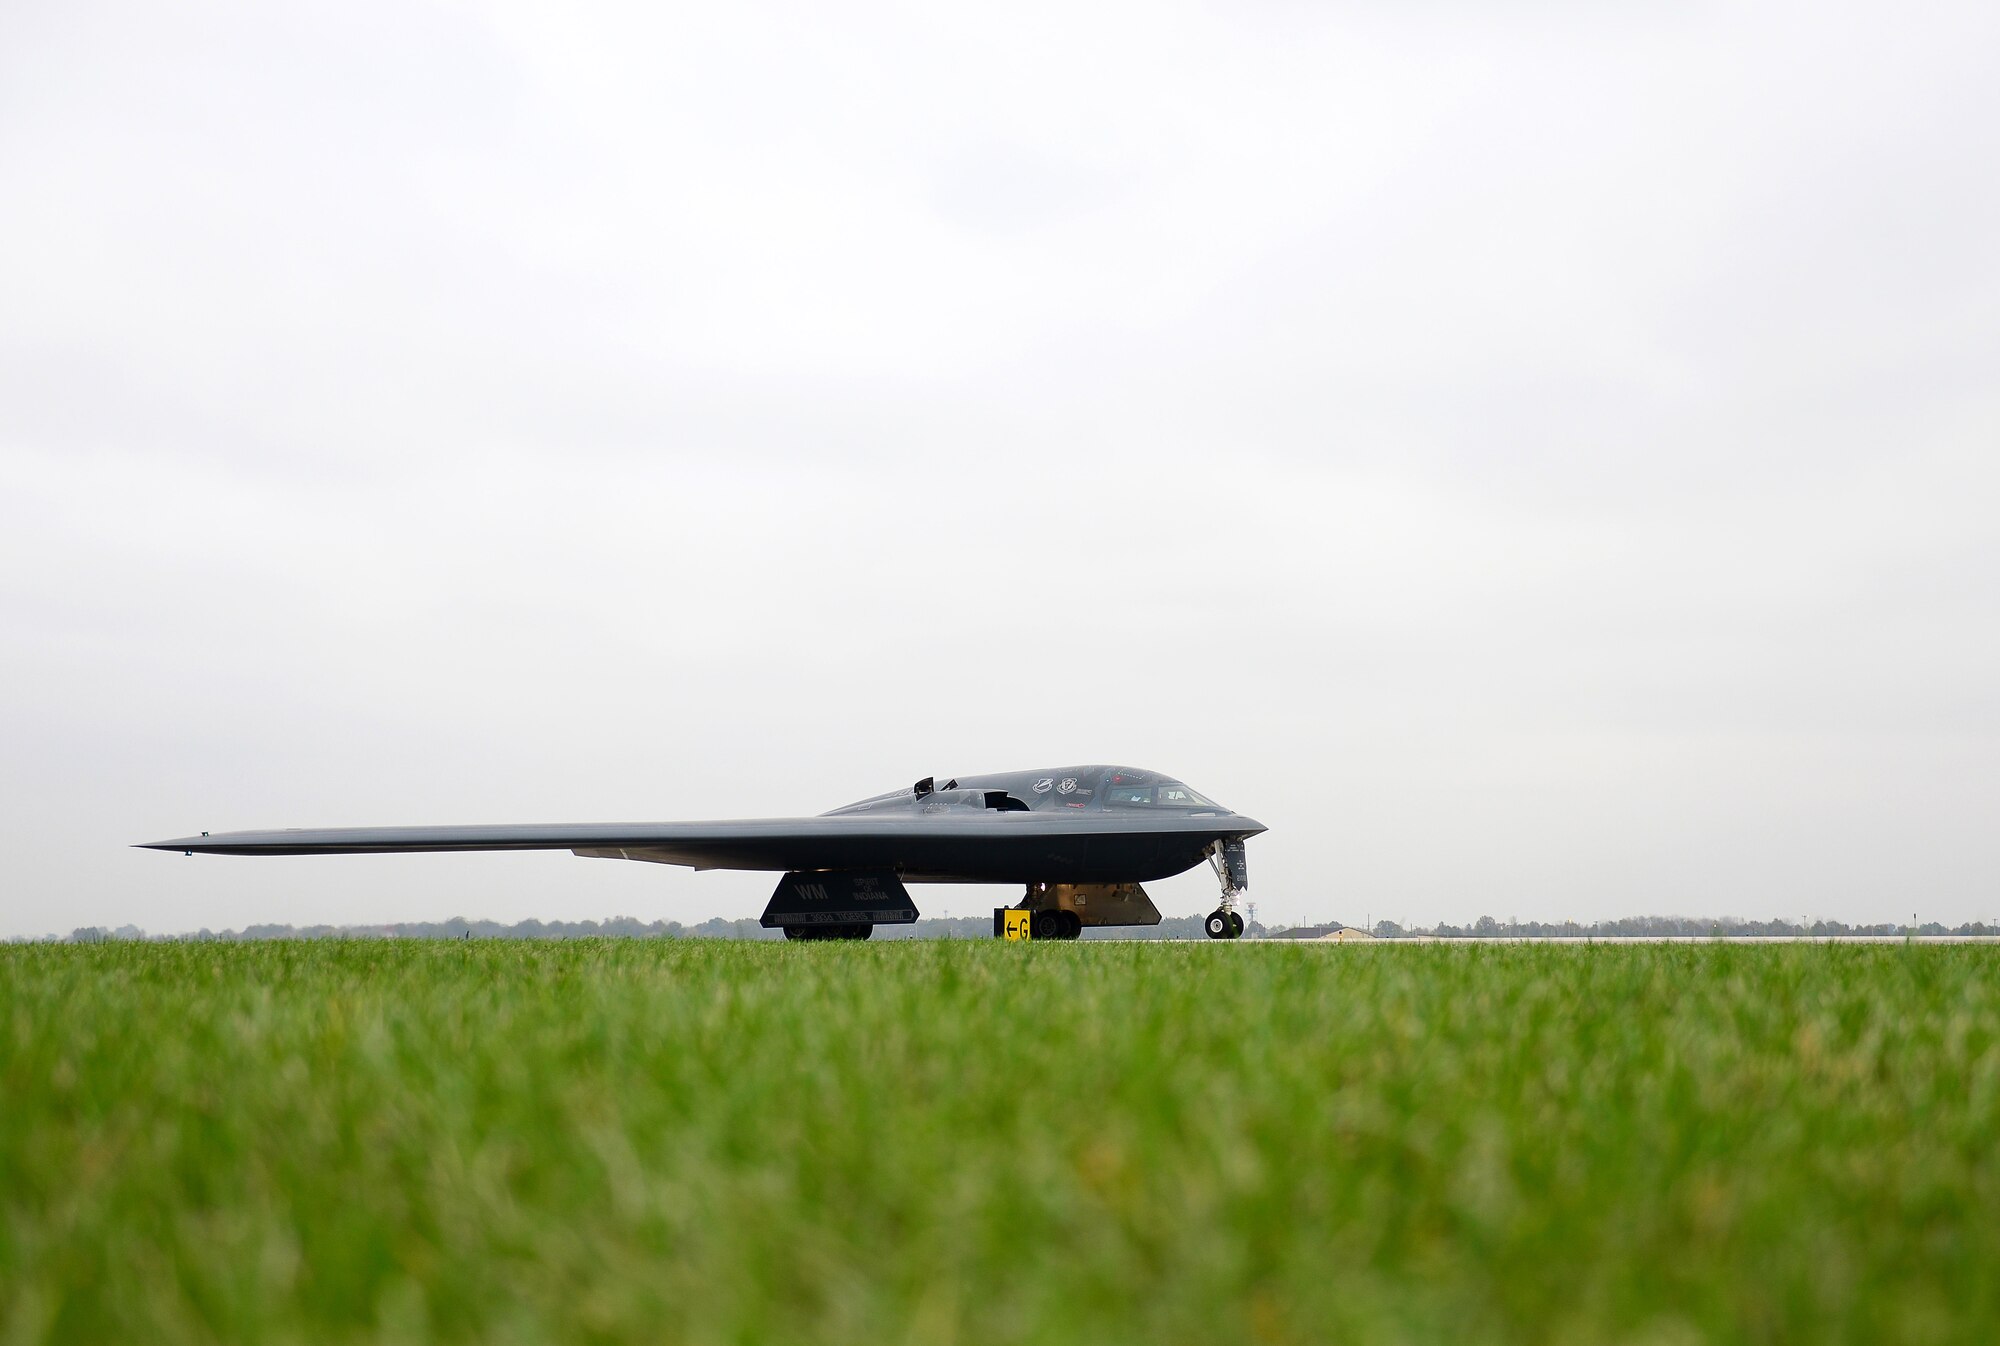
176	844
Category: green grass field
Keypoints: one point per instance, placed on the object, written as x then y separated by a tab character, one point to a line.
678	1140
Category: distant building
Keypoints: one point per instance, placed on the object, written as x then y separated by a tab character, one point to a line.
1306	931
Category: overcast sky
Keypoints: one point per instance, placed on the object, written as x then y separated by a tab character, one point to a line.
1540	459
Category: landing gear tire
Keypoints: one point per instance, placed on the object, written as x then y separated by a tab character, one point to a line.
1225	922
829	931
1054	923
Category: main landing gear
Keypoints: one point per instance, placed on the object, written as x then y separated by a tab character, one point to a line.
1225	922
829	931
1055	925
1062	910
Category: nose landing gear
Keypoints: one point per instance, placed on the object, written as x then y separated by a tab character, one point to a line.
1223	924
1227	858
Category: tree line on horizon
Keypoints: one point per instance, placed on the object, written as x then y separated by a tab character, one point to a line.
979	927
1655	927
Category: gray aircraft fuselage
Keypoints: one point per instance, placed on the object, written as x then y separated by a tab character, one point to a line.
1064	833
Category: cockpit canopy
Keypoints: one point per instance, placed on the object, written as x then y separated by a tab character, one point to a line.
1061	790
1124	792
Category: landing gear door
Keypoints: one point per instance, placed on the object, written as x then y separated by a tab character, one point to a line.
839	898
1231	866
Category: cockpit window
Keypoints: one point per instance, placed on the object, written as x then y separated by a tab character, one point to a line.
1167	794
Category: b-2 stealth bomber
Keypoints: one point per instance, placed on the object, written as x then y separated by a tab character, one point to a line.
1081	840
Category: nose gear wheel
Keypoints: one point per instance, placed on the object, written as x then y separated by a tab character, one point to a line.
1233	870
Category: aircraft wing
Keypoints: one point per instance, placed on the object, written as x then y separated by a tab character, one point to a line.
963	845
